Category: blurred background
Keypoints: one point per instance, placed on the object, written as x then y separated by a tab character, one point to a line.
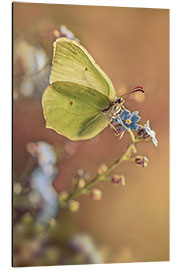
130	223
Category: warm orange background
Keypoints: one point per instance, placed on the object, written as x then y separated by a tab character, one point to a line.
132	46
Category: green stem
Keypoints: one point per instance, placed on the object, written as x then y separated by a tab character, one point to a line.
132	135
98	178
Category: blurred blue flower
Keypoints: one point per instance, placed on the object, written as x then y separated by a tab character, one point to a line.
32	68
128	120
84	244
42	182
46	155
151	133
42	179
65	32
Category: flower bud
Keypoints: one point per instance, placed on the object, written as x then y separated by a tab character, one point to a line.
117	179
141	161
63	196
70	148
142	133
17	188
81	183
56	33
102	169
80	172
73	205
96	194
32	149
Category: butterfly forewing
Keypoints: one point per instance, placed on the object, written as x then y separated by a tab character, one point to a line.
72	63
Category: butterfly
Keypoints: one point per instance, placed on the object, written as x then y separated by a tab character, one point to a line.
80	100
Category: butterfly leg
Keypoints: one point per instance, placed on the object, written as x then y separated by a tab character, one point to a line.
121	135
113	127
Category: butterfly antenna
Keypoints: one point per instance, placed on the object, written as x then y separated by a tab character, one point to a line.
136	89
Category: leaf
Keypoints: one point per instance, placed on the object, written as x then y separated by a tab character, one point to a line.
75	111
71	62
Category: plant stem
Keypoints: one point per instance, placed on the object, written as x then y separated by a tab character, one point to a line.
131	135
100	177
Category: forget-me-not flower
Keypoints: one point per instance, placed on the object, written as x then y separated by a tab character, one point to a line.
128	120
151	133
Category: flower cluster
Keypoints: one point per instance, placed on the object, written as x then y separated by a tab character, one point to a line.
126	121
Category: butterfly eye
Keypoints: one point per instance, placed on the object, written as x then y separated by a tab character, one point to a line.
119	100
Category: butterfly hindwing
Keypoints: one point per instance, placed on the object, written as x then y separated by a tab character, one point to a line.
74	111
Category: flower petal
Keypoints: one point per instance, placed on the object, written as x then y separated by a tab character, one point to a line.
135	118
124	114
151	133
154	140
135	113
147	124
133	126
117	120
123	128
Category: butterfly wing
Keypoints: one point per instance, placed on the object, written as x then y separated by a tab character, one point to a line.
74	111
72	63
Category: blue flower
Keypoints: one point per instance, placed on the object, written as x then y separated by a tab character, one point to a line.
42	179
65	32
84	245
42	183
151	133
128	120
45	154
